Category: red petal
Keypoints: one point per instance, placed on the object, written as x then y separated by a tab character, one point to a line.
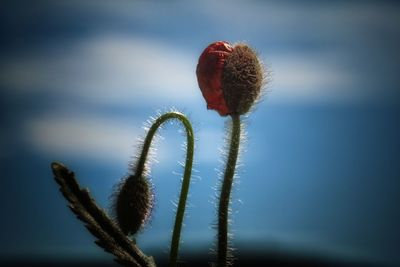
209	75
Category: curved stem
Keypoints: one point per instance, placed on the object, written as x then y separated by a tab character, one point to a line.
226	191
186	176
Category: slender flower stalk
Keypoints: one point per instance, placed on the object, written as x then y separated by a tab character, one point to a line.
186	176
230	78
224	199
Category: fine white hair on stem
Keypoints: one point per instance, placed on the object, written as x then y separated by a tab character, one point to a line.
146	162
220	174
142	164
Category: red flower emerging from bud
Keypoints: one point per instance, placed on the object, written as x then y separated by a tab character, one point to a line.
229	77
209	75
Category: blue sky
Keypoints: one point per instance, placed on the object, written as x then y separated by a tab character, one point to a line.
320	165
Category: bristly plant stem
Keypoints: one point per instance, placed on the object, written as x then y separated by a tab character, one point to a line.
224	199
108	235
186	176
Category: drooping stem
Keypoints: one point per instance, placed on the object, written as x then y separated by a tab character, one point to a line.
186	176
224	199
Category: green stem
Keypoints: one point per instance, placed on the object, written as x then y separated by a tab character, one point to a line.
186	176
226	191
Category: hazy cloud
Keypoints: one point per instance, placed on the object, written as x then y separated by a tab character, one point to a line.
83	136
106	69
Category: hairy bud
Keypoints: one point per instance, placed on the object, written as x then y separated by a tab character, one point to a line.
133	203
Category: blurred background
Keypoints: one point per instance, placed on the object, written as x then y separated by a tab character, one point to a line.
320	166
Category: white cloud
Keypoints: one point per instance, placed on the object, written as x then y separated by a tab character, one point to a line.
321	20
85	137
310	77
107	69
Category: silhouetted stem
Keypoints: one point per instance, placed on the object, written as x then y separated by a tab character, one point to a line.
108	235
186	176
224	199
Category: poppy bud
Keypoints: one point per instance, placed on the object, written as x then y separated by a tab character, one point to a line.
229	77
133	203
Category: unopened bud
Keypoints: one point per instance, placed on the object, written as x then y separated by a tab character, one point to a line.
230	77
133	204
